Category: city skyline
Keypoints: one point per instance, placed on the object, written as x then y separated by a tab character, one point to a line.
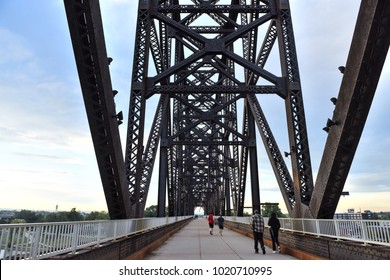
47	153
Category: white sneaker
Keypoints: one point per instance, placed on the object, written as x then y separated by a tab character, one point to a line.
274	252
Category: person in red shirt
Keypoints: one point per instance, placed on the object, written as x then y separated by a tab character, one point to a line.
211	222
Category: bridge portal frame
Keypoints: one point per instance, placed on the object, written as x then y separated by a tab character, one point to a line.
204	158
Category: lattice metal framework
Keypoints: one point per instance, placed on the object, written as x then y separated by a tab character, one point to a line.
203	57
206	61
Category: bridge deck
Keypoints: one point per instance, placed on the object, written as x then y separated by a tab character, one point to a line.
194	242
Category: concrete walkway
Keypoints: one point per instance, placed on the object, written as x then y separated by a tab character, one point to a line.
194	242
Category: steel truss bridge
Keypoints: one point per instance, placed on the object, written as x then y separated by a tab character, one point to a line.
206	61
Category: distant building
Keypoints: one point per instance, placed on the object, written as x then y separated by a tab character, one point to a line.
7	215
351	215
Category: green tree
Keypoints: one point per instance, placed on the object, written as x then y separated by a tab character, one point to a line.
74	215
247	214
268	208
64	216
29	216
151	211
52	217
57	217
97	215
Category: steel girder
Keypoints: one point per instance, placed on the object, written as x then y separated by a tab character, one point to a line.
367	55
296	122
86	31
202	57
195	65
195	62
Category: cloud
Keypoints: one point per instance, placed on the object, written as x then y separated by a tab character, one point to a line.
13	47
38	108
372	182
46	157
45	141
363	201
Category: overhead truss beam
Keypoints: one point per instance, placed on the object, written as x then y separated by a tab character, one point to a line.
202	60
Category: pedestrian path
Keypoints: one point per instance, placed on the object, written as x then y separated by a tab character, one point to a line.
194	242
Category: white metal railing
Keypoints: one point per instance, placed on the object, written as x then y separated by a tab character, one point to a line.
364	231
43	240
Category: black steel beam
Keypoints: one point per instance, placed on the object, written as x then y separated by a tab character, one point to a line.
86	30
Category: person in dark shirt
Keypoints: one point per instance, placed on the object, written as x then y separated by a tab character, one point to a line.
274	226
220	223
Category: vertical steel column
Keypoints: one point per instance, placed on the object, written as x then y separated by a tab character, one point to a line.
255	185
163	173
299	144
136	120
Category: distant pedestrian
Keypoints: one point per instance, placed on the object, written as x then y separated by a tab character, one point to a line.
221	220
257	223
211	222
274	226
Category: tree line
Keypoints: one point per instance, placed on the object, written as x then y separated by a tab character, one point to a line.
29	216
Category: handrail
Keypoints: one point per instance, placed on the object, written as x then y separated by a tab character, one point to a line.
43	240
364	231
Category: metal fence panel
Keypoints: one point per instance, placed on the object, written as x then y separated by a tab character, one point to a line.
38	241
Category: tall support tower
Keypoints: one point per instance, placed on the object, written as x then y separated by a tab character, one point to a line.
206	60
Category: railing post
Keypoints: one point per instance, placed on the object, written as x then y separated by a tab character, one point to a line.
99	233
115	229
318	230
75	235
35	241
364	231
6	249
144	224
337	229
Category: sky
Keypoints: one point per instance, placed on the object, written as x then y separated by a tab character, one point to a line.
47	156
